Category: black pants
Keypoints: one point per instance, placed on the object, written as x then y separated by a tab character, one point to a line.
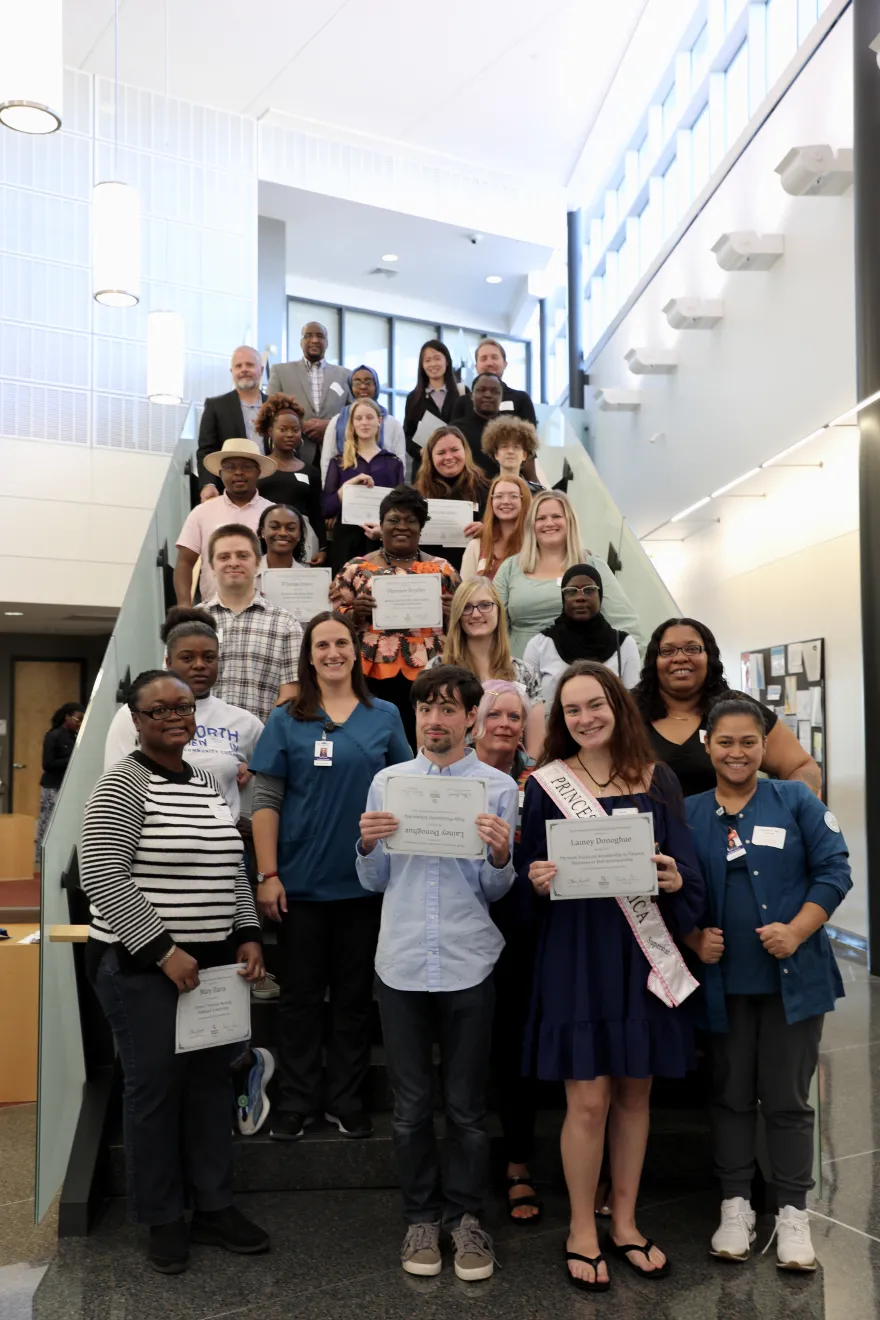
177	1108
762	1058
515	1093
325	946
462	1022
397	690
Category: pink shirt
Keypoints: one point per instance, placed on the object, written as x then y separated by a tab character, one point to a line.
206	518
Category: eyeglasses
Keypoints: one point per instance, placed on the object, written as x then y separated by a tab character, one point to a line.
164	712
401	522
506	495
572	593
689	648
477	607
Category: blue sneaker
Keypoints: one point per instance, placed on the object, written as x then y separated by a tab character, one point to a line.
253	1107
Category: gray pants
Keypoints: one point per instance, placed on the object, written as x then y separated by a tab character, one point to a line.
762	1058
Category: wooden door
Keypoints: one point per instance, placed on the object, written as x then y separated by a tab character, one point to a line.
39	687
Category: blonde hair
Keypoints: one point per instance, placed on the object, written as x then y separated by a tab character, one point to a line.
530	554
456	650
349	446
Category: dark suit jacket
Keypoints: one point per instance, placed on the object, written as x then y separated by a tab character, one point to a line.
522	404
221	420
414	411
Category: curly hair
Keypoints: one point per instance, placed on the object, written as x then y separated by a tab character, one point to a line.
504	430
647	694
470	484
275	404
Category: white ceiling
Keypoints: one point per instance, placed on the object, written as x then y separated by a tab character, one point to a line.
66	620
437	263
515	86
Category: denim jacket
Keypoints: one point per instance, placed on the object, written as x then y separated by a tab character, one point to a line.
812	866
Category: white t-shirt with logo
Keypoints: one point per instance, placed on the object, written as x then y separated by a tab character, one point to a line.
225	739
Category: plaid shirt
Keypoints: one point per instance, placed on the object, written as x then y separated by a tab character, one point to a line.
259	650
315	371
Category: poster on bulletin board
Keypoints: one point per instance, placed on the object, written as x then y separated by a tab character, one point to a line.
790	679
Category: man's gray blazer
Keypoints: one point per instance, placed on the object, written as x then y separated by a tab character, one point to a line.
292	378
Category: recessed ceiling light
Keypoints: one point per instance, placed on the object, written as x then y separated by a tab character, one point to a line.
389	256
13	614
493	279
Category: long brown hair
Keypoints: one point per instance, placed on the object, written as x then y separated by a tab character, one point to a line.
631	753
470	483
490	522
308	700
456	648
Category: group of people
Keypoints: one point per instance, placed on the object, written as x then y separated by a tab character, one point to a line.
247	786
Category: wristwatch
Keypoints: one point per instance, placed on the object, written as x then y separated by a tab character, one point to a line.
266	875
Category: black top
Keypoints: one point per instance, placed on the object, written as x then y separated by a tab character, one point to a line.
454	554
58	746
472	428
304	496
689	761
522	403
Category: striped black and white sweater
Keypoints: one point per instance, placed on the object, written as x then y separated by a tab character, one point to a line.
163	863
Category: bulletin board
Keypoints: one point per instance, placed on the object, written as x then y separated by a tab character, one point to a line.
790	679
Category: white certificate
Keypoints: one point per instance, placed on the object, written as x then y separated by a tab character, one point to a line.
304	592
447	520
360	504
437	815
406	601
602	857
426	428
217	1012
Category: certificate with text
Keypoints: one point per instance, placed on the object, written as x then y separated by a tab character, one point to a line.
303	592
360	504
217	1012
437	815
602	857
406	601
447	520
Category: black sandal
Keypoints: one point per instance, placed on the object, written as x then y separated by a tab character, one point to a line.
515	1202
661	1273
587	1285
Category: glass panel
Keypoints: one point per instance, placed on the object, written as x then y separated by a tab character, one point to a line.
366	343
670	198
736	95
807	15
399	407
515	371
644	159
700	55
669	112
408	339
781	36
700	151
299	313
647	242
463	345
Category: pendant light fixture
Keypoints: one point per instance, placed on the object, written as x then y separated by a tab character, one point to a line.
165	329
116	223
31	66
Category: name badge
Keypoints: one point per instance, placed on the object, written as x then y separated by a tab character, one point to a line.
703	736
625	811
336	388
734	845
506	405
220	811
522	798
302	476
768	836
323	752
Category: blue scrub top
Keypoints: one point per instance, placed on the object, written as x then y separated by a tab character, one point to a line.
747	967
319	824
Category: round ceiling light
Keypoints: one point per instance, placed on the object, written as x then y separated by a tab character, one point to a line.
389	256
493	279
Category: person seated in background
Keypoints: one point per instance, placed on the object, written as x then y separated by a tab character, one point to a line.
293	482
512	444
474	414
393	660
58	746
491	357
260	654
319	386
363	383
581	632
305	832
437	393
434	962
364	463
448	472
503	526
239	464
230	416
682	678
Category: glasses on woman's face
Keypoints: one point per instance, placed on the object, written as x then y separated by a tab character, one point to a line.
668	651
185	709
409	524
480	607
572	593
506	497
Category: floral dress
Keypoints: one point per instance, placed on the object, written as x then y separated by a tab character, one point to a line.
385	654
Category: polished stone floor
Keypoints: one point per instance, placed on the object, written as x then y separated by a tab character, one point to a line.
335	1253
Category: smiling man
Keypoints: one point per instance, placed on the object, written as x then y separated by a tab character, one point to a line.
320	386
230	416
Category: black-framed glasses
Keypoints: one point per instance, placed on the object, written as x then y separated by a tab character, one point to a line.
408	523
477	607
572	593
185	709
690	648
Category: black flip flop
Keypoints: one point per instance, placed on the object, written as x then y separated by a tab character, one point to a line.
622	1252
514	1204
584	1285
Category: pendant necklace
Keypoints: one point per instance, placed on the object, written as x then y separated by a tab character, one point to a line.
596	781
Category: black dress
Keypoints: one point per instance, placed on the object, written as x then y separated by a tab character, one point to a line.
419	402
302	491
689	761
472	427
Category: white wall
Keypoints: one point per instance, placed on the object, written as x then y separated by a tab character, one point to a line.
782	361
384	299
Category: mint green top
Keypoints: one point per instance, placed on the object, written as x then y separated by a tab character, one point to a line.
533	603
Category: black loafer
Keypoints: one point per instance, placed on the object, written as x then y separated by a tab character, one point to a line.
228	1229
169	1247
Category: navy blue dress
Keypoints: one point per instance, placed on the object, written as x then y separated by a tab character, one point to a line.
592	1014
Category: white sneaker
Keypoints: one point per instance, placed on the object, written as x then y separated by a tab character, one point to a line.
794	1246
736	1232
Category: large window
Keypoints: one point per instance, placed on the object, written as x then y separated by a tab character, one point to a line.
736	95
391	345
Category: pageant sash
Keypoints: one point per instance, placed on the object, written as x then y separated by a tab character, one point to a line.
669	978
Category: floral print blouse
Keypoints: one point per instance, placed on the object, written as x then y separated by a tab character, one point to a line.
384	654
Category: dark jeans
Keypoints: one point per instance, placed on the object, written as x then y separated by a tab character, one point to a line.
461	1020
325	945
177	1108
515	1093
397	690
762	1058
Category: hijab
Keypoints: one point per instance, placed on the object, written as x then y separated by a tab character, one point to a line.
592	639
342	416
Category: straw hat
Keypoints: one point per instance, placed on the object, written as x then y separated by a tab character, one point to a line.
239	449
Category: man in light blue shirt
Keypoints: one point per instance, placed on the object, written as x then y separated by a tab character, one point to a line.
437	948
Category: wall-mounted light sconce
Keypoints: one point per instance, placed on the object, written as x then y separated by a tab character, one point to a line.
651	361
693	313
618	400
816	171
745	250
